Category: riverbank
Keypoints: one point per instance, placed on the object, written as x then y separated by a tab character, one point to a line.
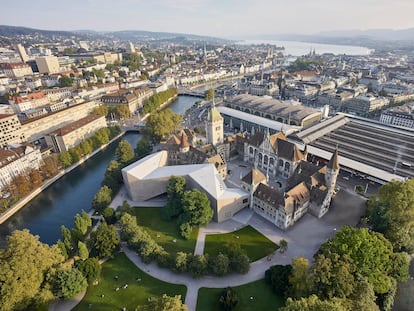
34	193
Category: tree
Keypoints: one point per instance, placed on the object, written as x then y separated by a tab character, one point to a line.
22	184
102	136
163	123
363	296
113	176
83	222
228	299
109	215
83	250
313	303
75	154
24	265
101	110
392	213
68	283
90	268
104	241
67	240
209	94
198	265
299	278
50	165
65	158
278	278
332	276
86	147
283	246
181	262
65	81
196	208
124	153
35	178
175	192
164	303
122	111
369	251
220	265
102	198
143	147
240	263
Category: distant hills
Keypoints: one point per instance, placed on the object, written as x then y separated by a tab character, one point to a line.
132	35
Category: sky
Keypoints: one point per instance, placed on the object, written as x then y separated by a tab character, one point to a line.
220	18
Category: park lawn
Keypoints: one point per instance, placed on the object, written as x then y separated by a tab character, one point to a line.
164	232
137	292
252	242
263	298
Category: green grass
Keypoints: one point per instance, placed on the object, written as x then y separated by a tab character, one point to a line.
252	242
136	294
164	232
263	298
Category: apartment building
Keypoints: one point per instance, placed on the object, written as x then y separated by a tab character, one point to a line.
10	130
48	64
16	70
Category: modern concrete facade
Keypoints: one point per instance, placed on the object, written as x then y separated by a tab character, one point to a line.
148	178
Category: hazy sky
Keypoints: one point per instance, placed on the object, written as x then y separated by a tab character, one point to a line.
222	18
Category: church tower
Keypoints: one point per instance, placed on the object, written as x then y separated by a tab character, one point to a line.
332	171
214	127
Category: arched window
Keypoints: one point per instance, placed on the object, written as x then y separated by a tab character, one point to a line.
287	166
272	161
281	162
266	159
251	150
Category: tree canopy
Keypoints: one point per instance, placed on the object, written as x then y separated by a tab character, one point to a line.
392	213
162	124
369	251
164	303
24	266
124	152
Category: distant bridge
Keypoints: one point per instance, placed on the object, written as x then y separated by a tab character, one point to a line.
188	92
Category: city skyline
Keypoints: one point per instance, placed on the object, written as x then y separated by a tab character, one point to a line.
225	19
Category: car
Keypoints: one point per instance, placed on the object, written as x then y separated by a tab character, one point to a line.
346	177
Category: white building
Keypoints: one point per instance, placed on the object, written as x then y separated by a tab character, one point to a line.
17	160
400	116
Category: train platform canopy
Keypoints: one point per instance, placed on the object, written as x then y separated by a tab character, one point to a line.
380	151
259	121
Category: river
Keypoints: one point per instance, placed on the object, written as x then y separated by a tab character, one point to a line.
58	204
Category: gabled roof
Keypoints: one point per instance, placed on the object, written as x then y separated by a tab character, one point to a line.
269	195
255	177
289	151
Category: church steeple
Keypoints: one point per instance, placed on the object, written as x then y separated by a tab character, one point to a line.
333	163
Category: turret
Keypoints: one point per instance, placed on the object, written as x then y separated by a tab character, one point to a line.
332	170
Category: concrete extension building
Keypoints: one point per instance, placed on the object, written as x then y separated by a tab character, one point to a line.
74	133
148	178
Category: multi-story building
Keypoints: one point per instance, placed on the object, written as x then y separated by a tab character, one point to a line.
10	130
17	160
133	98
362	105
214	127
74	133
35	129
30	101
400	116
16	70
48	64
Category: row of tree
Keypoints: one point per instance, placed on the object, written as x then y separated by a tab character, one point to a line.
118	112
190	208
101	137
155	101
355	270
232	260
